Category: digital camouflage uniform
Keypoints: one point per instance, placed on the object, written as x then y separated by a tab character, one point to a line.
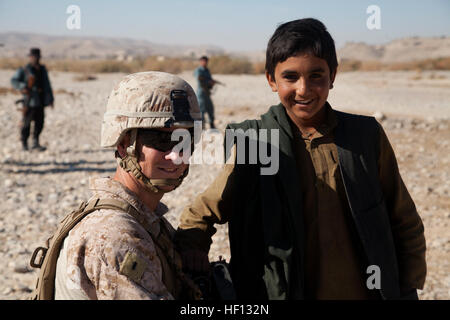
93	263
114	253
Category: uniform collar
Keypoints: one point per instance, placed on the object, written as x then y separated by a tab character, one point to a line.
109	188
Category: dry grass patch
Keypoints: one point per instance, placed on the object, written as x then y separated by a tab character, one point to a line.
5	91
419	65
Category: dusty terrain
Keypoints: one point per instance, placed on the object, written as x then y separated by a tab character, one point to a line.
38	189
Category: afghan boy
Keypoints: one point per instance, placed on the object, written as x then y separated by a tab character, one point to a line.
337	207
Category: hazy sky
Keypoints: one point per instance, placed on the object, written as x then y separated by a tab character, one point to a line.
230	24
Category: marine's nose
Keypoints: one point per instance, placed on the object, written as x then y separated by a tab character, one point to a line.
175	156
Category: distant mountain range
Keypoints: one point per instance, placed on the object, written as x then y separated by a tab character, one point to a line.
16	44
399	50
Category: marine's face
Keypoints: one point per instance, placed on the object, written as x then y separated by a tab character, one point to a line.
157	164
302	83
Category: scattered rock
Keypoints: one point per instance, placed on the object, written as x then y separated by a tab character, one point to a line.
7	291
8	183
379	116
22	288
23	268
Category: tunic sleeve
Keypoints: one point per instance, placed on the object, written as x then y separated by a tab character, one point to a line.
407	226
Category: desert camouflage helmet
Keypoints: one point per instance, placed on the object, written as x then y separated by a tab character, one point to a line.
148	100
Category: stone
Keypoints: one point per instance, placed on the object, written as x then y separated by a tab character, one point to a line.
7	291
22	268
8	183
379	116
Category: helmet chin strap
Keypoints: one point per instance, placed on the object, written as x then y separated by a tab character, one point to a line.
130	164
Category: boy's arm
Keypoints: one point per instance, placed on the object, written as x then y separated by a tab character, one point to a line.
212	206
407	226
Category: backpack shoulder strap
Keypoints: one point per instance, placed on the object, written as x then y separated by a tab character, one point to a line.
49	253
45	283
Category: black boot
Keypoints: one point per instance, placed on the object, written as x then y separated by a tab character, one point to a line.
37	146
24	145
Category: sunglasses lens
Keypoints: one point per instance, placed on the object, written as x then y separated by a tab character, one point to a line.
161	140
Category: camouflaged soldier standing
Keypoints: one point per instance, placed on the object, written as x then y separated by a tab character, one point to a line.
128	253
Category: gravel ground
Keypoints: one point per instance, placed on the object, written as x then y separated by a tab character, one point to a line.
38	189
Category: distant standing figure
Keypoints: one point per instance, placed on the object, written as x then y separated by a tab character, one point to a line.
33	82
204	85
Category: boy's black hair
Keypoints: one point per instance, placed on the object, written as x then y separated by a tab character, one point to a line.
204	58
300	36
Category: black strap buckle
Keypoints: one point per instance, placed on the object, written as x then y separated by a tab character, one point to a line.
41	259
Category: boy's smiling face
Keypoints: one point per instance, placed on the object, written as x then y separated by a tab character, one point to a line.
302	83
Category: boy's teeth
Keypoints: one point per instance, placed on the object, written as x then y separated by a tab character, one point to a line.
304	102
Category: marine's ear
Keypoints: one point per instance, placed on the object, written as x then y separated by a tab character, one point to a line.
271	81
123	145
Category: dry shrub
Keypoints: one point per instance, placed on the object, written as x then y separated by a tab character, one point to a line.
218	65
108	66
69	65
371	66
349	65
70	93
85	77
419	65
436	76
259	67
442	63
171	65
12	63
228	65
4	91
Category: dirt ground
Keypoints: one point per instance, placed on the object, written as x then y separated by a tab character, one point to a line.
38	189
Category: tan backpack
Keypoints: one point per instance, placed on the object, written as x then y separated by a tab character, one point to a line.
46	257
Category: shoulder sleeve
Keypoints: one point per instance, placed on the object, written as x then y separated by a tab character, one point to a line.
212	206
407	226
111	256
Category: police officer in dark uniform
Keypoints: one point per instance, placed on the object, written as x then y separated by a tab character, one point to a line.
33	82
204	86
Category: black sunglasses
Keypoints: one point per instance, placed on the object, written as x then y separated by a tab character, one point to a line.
162	140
